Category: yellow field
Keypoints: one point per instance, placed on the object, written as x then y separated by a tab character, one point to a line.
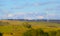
24	28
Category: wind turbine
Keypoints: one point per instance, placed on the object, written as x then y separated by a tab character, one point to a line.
47	16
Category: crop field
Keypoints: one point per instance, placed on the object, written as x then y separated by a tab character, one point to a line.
25	28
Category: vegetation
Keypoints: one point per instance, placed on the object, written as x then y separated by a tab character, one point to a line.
23	28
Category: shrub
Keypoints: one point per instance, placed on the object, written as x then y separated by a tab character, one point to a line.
31	32
40	32
28	33
3	23
26	24
52	33
46	34
1	34
58	33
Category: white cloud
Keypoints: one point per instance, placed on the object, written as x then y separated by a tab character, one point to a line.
29	18
10	15
21	13
25	15
40	17
16	14
51	14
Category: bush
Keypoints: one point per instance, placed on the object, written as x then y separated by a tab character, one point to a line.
3	23
40	32
46	34
52	33
58	33
1	34
28	33
27	25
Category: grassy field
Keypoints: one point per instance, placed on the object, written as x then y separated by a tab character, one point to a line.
24	28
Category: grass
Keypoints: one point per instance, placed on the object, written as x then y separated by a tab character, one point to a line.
19	28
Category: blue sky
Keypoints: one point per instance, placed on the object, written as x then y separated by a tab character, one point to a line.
30	9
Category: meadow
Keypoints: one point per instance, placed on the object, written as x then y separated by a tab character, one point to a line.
25	28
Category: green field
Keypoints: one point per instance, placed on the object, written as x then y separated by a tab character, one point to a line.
24	28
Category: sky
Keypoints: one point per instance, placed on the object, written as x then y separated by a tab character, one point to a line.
30	9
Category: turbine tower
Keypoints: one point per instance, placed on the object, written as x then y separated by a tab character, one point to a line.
47	16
